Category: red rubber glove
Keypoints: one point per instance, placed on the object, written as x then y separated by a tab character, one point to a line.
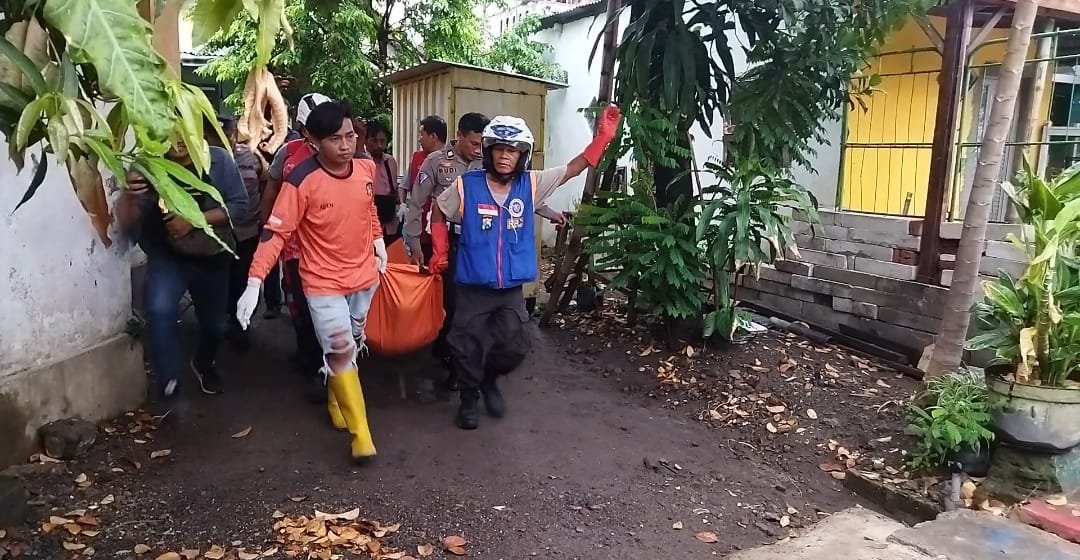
605	133
440	247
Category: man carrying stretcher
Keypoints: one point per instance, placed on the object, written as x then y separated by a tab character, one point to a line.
496	254
328	202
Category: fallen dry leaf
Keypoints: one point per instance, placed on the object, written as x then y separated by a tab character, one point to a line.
242	433
169	556
193	553
792	511
215	553
770	427
107	500
425	550
141	549
785	521
244	555
160	453
297	499
967	490
455	545
54	520
811	414
707	537
690	352
677	525
350	515
81	479
270	552
91	534
776	409
73	546
88	520
1057	500
838	475
3	533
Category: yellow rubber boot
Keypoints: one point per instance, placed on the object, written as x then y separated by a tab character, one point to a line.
345	387
335	412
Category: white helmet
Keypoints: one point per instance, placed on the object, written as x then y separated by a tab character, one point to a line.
306	104
508	131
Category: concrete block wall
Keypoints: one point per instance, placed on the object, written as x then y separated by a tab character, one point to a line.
854	274
889	245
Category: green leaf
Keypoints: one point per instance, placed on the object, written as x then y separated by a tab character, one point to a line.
116	40
29	70
210	16
35	181
29	119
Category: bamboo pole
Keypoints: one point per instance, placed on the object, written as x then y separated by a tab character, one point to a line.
571	261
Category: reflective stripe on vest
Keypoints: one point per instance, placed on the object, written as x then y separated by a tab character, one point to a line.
497	248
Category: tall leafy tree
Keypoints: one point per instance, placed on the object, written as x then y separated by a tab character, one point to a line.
340	48
516	51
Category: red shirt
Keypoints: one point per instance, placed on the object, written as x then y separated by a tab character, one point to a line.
418	158
296	151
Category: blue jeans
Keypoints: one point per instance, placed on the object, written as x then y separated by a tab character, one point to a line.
167	278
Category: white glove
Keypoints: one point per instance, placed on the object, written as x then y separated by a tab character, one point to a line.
402	209
380	255
249	300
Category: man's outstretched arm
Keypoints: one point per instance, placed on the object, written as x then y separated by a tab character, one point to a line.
549	180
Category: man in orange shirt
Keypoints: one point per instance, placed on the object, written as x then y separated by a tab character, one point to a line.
327	201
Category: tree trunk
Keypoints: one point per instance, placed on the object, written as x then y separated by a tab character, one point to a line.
573	260
949	349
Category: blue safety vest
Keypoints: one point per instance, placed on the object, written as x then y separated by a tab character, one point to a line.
497	247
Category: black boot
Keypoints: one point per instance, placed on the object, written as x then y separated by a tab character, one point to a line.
451	376
467	415
493	399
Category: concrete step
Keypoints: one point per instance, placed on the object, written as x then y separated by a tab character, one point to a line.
972	535
860	534
852	534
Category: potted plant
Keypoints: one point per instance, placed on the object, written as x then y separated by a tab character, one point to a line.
1033	323
955	428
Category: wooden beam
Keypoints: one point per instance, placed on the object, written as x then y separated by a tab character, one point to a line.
1063	9
953	63
986	29
931	33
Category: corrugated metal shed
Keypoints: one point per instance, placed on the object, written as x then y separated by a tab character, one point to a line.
450	89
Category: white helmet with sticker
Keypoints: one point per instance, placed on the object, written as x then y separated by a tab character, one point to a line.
306	104
508	131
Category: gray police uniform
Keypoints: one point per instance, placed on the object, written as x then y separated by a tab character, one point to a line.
439	170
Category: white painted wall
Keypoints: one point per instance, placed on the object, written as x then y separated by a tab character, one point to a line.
568	131
63	291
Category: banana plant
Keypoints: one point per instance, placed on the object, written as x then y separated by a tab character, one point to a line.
62	60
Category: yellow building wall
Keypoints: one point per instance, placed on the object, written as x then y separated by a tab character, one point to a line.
892	178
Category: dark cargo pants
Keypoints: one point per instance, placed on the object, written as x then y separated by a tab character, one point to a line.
488	336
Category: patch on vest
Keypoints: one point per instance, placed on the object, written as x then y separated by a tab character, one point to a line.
422	177
516	208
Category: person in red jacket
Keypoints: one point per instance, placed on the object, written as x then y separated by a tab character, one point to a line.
496	253
328	202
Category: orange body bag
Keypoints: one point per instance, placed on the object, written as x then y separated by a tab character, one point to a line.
407	310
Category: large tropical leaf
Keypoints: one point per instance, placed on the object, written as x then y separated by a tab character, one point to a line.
210	16
91	193
116	40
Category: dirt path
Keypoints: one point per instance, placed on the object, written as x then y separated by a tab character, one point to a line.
574	471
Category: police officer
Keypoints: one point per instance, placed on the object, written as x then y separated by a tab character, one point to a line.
496	254
438	171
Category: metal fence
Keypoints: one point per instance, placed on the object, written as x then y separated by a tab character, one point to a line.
885	153
886	149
